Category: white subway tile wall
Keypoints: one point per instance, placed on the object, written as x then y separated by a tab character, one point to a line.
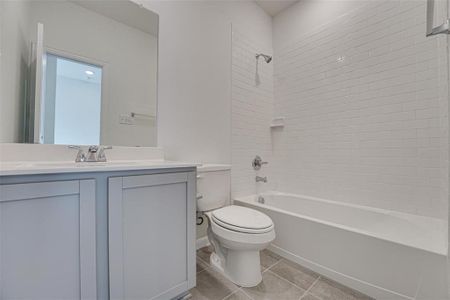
252	107
365	99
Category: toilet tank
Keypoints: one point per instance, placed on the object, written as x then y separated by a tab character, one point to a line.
213	186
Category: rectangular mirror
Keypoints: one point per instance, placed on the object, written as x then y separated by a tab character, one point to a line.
78	72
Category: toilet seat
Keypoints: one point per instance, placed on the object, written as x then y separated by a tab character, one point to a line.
242	219
238	240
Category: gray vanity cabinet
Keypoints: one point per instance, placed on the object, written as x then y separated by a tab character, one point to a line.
151	235
47	240
103	235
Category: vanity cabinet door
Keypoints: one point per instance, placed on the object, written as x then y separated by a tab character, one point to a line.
47	240
151	235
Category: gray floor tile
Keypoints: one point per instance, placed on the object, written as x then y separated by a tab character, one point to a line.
274	288
294	273
268	258
211	285
197	295
201	265
309	297
285	280
204	253
239	295
327	289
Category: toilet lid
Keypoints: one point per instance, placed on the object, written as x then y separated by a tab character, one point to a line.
242	219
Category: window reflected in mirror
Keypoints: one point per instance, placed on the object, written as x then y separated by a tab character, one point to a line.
72	89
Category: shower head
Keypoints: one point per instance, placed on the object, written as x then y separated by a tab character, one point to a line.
267	58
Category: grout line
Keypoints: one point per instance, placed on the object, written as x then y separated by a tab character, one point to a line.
232	293
202	271
204	268
315	281
199	258
246	294
272	265
308	289
284	279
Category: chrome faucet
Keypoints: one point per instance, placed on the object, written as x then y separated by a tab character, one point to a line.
94	154
261	179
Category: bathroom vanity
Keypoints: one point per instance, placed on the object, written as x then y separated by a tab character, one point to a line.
116	230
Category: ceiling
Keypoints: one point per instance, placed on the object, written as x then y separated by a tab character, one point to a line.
273	7
77	70
126	12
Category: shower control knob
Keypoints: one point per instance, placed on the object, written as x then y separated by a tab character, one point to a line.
258	162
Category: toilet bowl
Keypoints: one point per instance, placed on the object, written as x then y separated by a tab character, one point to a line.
237	242
237	234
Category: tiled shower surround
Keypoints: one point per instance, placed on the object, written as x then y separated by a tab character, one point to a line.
364	95
252	108
366	108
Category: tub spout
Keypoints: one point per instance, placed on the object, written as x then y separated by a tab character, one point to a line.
261	179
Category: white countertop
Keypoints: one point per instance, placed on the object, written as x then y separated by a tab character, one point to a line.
56	167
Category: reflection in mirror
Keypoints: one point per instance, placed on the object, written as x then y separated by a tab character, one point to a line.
78	72
72	89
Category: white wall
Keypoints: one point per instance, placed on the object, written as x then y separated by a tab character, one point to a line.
14	50
195	66
448	92
194	107
359	86
306	16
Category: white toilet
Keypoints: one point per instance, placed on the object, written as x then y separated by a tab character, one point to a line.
236	233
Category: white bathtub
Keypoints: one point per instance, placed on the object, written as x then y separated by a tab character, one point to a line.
385	254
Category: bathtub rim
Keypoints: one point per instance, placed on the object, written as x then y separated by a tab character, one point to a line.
436	249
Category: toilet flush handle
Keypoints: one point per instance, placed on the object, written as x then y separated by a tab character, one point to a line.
199	196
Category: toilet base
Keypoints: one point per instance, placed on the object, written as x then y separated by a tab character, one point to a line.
236	254
241	267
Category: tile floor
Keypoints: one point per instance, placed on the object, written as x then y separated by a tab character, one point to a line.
282	280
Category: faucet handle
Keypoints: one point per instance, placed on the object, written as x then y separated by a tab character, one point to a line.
258	162
81	156
101	157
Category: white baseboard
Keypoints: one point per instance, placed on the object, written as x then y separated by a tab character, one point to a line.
362	286
202	242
